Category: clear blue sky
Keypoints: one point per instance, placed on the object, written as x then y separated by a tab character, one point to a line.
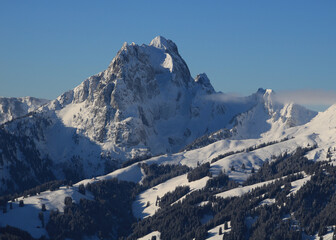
49	47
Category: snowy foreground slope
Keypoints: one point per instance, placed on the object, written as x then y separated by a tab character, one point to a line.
319	132
144	104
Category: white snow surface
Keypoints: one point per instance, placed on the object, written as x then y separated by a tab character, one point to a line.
237	192
140	208
321	131
296	185
213	234
149	236
26	217
267	201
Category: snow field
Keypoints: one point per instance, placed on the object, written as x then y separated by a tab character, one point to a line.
26	217
140	208
213	234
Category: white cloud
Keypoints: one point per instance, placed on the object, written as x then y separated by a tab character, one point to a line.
307	97
225	97
317	100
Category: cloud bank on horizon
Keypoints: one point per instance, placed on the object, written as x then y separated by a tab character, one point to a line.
307	96
321	99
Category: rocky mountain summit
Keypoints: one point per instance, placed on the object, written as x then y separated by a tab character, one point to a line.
144	104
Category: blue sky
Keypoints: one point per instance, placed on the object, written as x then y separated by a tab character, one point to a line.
49	47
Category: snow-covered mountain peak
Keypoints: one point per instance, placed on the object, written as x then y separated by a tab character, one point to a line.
158	58
204	81
269	91
332	108
326	119
145	102
265	94
271	104
269	117
269	95
163	43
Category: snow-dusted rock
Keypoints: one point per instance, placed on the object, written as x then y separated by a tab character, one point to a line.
11	108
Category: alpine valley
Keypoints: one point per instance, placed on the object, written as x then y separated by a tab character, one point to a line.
144	151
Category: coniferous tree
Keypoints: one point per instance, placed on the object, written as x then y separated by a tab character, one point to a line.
226	226
41	217
81	189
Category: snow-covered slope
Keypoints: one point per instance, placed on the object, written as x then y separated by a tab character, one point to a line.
318	131
11	108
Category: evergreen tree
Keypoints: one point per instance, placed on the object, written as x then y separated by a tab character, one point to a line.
41	217
81	189
226	226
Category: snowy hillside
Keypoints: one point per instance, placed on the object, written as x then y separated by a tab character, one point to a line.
158	196
146	205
